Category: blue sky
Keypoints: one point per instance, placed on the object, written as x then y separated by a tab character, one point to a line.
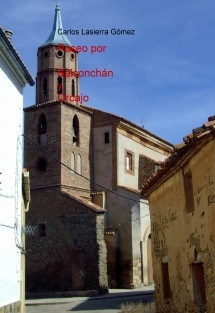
164	76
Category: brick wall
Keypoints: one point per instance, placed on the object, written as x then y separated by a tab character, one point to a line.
48	68
83	149
32	153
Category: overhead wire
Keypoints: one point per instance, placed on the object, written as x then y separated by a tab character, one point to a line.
88	179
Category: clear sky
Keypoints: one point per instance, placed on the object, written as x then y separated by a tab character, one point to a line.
164	75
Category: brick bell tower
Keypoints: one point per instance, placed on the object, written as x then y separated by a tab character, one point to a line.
51	57
68	242
62	127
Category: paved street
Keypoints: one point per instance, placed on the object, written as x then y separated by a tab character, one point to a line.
110	303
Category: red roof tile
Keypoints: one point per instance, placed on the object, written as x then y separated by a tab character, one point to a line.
198	135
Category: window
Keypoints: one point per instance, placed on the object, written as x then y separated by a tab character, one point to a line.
46	54
72	162
59	85
107	138
42	130
73	87
42	230
75	131
129	162
166	283
45	87
198	281
59	53
188	189
42	124
42	165
78	164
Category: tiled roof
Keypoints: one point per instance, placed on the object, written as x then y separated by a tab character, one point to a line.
9	51
94	207
56	102
181	151
122	119
110	231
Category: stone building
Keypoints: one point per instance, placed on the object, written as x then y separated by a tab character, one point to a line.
120	150
68	250
182	206
13	77
85	184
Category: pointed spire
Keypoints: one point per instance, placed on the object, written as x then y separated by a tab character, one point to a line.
56	38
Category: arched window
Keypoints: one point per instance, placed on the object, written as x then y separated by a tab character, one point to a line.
42	129
59	85
78	164
45	87
42	124
73	87
72	162
75	131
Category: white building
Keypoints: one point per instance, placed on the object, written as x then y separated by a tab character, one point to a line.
13	77
124	156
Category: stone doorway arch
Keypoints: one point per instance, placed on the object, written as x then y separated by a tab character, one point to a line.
147	267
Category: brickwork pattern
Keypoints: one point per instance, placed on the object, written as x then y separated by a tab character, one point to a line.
48	68
52	175
84	149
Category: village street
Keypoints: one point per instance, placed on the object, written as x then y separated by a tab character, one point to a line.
110	303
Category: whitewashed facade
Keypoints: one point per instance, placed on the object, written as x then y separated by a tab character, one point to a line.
13	77
119	145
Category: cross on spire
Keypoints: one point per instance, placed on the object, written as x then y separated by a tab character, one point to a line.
57	36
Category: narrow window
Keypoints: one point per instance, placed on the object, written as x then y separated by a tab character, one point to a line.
59	85
45	87
107	138
42	164
129	162
78	164
42	138
46	54
42	230
188	189
42	124
72	162
75	131
166	283
73	87
198	285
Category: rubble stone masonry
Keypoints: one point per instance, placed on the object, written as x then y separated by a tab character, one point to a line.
71	253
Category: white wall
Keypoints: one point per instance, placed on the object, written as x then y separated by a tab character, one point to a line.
125	143
11	105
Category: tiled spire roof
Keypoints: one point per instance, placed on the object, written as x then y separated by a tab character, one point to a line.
55	38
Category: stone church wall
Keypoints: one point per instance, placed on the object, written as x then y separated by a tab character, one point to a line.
68	252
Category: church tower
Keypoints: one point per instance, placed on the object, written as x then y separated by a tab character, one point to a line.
59	125
54	57
68	244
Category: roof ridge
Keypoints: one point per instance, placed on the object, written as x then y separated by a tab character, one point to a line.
88	203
